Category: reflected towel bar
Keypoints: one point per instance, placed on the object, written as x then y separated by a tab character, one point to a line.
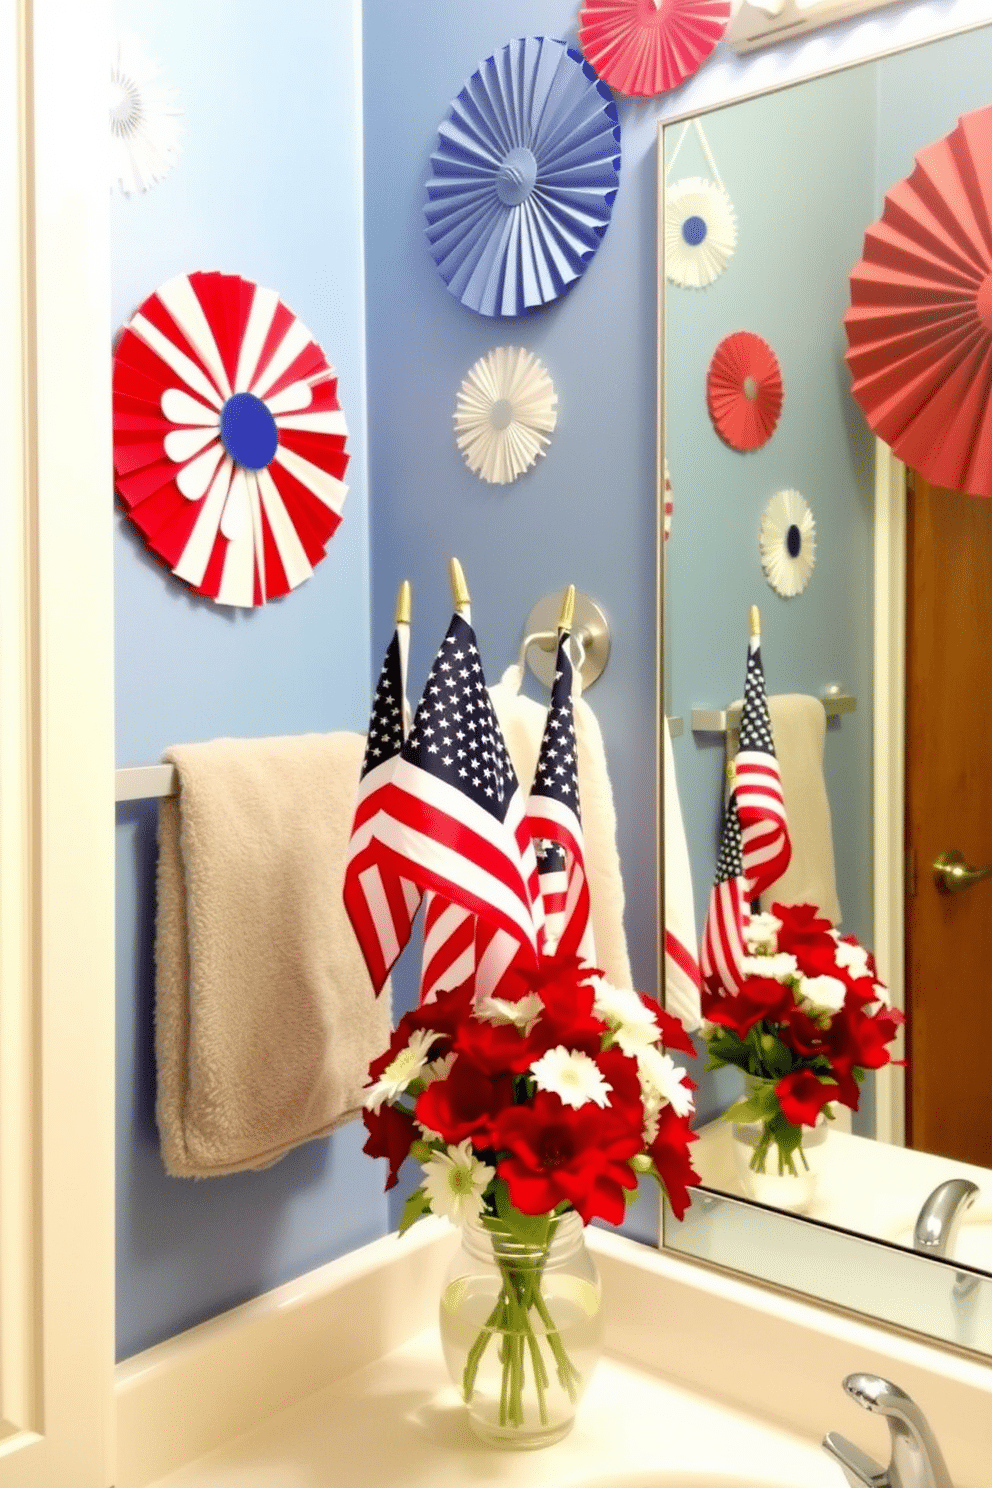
145	782
728	720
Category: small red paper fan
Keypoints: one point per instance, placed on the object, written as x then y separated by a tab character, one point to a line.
919	329
744	390
229	441
642	48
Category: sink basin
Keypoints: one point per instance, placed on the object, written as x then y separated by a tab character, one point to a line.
664	1479
972	1245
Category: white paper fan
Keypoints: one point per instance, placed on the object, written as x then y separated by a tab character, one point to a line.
144	119
788	543
700	232
506	411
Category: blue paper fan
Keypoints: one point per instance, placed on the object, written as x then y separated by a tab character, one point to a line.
523	178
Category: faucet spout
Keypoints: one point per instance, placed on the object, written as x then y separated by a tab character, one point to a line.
938	1219
916	1461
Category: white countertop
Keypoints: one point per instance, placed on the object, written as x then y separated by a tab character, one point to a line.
400	1422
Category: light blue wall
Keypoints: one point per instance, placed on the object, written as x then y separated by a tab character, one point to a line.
269	186
272	184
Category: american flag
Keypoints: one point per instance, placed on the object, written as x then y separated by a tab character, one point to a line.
381	904
723	950
454	822
760	803
554	815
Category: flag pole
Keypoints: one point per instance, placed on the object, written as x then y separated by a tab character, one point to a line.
755	622
459	588
567	616
404	603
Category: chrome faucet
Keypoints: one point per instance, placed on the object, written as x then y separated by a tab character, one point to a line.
916	1461
938	1220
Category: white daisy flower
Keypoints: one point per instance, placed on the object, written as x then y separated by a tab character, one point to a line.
455	1181
853	958
822	994
633	1024
402	1069
761	934
523	1014
572	1076
661	1076
651	1103
781	966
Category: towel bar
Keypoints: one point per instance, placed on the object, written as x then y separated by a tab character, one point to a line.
728	720
590	630
145	782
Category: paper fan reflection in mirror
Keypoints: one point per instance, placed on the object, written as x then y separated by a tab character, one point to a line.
229	441
646	47
700	232
505	415
523	178
788	543
744	391
669	502
145	129
919	328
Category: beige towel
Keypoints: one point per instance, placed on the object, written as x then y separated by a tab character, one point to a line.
265	1019
522	722
799	727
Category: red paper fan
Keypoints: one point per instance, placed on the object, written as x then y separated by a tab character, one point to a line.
229	441
645	47
919	328
744	390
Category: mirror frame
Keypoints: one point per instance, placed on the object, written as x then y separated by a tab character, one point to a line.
808	1258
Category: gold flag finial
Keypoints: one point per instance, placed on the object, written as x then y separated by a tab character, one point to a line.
755	622
459	588
567	616
404	603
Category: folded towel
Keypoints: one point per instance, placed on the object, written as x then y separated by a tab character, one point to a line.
682	980
522	722
265	1019
799	728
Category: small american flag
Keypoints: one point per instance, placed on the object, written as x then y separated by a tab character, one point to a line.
554	814
767	848
454	820
381	904
723	950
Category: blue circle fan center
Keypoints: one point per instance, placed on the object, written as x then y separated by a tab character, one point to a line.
248	431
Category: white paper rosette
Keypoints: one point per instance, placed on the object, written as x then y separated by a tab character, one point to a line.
700	232
505	414
788	543
144	119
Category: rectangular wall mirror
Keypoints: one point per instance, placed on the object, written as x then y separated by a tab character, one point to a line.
805	170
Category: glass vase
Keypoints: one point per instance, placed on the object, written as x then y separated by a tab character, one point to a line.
521	1329
763	1176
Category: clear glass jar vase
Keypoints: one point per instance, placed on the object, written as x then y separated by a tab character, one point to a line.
521	1330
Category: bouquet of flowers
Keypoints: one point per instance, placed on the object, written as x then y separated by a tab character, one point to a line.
810	1019
549	1099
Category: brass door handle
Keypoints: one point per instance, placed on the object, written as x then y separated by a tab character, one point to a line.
951	873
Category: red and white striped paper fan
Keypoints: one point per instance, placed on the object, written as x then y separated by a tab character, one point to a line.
229	441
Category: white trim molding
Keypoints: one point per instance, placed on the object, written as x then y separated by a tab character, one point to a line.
889	752
56	751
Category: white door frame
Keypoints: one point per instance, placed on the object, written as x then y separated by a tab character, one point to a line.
56	751
888	755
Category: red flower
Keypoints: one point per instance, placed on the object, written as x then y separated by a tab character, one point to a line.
555	1154
465	1104
802	1097
620	1073
391	1135
670	1154
760	998
803	929
496	1047
673	1035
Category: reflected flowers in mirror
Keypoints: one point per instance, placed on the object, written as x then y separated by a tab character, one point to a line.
810	1019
